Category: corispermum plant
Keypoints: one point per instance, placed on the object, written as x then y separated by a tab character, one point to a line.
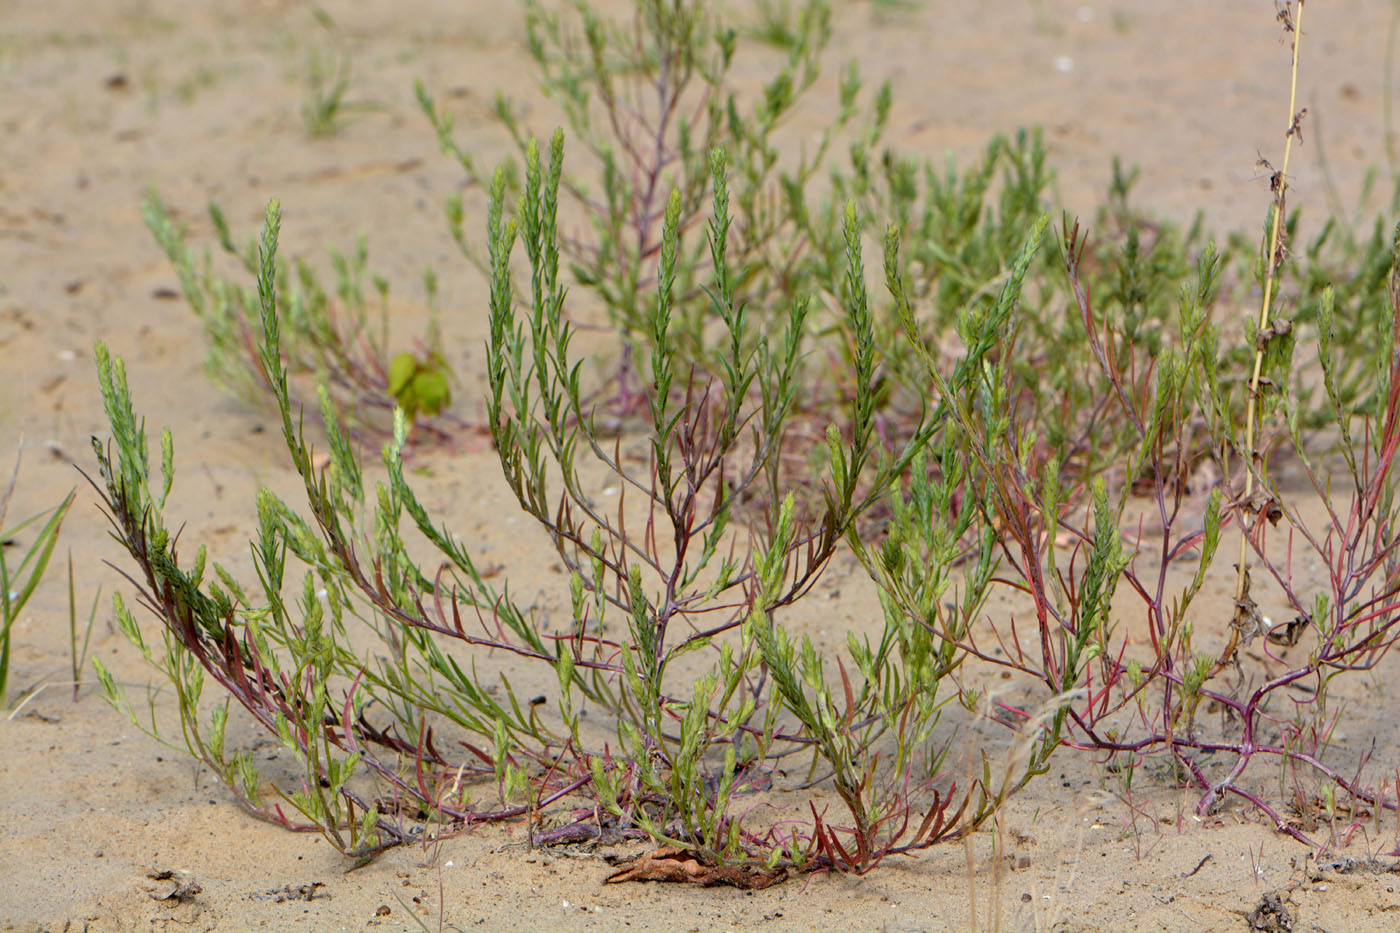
1107	618
676	640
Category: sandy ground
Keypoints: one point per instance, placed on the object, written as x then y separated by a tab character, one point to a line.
100	100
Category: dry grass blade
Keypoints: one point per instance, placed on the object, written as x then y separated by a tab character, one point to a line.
686	866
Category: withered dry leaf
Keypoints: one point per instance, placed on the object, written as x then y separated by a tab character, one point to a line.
172	885
1287	634
1270	915
670	863
1247	620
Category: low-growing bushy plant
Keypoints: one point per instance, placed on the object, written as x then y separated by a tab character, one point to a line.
1109	583
675	631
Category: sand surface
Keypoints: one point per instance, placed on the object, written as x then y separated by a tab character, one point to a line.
98	101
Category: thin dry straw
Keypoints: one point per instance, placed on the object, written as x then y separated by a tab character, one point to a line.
1293	23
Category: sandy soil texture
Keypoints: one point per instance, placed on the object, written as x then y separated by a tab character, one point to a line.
99	100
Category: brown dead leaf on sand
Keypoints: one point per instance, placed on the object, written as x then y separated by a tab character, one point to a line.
670	863
171	884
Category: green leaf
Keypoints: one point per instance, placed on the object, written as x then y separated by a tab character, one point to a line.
432	391
401	372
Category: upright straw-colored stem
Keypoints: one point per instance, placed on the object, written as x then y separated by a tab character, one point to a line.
1279	185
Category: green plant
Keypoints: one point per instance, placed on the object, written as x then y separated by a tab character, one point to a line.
648	101
326	86
78	655
675	630
324	109
335	338
1061	426
1134	689
19	581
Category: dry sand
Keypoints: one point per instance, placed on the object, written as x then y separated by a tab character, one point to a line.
100	100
